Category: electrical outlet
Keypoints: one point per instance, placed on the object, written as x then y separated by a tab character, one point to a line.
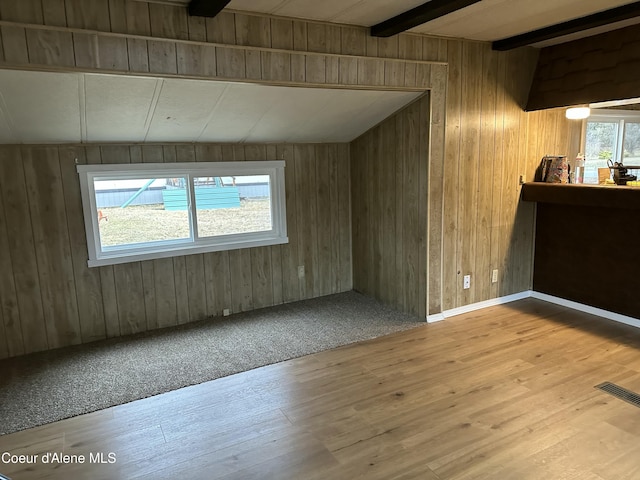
226	312
466	282
301	271
521	178
494	276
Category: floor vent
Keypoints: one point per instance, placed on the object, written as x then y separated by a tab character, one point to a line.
622	393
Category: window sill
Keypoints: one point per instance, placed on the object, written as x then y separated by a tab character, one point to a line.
128	257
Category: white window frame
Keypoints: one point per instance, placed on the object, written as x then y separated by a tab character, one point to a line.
619	117
99	256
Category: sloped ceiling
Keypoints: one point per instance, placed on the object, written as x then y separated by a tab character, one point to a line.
46	107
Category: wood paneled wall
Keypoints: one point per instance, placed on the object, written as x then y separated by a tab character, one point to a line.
490	141
124	37
480	139
50	298
155	21
389	201
133	36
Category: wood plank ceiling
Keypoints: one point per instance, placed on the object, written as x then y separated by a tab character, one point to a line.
487	20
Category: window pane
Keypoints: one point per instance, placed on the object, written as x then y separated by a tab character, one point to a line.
141	210
600	147
232	205
631	144
137	212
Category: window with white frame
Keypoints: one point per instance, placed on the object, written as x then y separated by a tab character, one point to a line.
137	212
611	135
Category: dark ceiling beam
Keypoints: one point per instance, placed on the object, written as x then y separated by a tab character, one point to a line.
418	15
206	8
599	19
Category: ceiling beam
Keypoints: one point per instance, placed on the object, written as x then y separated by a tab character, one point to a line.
418	15
599	19
206	8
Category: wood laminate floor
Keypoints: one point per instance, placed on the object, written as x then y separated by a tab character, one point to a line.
503	393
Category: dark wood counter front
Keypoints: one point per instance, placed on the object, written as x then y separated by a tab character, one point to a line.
586	239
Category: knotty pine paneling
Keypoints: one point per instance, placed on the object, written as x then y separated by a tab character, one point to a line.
49	298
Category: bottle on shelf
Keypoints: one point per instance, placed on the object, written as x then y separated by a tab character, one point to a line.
579	168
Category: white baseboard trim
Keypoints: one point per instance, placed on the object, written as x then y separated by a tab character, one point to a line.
616	317
477	306
436	317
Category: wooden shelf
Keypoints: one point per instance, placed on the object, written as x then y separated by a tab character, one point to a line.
612	196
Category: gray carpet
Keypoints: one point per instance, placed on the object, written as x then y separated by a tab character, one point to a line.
49	386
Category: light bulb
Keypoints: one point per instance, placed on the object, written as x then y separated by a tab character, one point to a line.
578	113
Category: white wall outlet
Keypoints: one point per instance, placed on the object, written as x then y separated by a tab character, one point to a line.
466	283
494	276
226	312
301	271
521	179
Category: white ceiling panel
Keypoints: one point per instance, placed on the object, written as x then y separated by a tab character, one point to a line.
119	108
369	109
184	110
329	115
385	103
46	107
293	108
332	125
40	107
239	111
